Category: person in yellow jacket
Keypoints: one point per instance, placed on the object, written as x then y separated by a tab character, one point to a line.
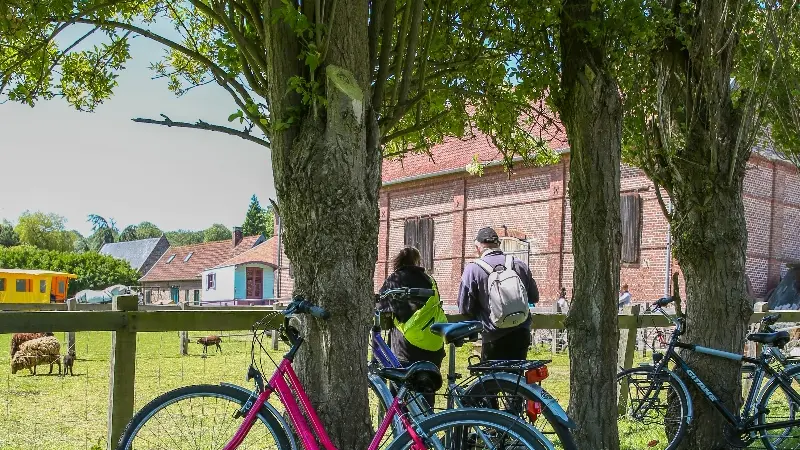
411	339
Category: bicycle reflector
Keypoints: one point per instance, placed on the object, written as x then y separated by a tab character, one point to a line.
536	375
534	408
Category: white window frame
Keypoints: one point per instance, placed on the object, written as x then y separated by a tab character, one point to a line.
211	281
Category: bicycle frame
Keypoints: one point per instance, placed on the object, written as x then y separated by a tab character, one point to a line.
761	368
289	389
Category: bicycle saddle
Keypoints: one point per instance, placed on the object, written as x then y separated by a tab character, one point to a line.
422	376
459	331
776	339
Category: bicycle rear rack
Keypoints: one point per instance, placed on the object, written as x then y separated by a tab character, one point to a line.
518	366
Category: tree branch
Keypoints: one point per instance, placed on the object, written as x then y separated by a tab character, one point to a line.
411	52
222	76
201	125
386	49
417	127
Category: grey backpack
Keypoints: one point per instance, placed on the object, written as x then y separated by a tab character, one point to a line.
508	298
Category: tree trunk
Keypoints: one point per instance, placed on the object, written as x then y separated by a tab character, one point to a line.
327	177
710	245
590	107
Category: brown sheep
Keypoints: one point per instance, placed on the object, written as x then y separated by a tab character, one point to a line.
44	350
209	341
18	338
69	361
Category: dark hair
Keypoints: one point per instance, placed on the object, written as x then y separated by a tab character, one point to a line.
408	256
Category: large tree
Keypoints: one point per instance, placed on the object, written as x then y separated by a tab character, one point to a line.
253	224
720	74
326	85
105	231
45	231
8	237
574	52
216	232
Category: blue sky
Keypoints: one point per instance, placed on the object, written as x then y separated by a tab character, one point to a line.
75	163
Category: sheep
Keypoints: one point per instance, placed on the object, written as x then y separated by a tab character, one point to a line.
43	350
69	361
18	338
209	341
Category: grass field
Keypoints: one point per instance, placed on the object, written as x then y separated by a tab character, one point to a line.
52	412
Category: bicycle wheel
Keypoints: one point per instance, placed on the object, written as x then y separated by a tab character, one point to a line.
512	397
474	429
200	417
653	409
776	405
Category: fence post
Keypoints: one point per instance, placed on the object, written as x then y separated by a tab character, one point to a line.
123	372
184	337
627	349
274	339
72	305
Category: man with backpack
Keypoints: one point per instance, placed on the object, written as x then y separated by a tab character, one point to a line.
500	297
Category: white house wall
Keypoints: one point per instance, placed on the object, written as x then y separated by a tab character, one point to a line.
224	288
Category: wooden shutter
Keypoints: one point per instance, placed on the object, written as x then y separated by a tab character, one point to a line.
425	242
631	213
418	233
410	238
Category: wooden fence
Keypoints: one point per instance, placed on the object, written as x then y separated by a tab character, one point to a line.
125	317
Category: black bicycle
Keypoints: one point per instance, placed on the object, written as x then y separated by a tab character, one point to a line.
656	409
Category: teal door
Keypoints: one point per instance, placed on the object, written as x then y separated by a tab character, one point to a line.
173	293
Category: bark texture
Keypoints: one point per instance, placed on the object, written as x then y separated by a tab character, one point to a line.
711	242
590	107
327	176
699	144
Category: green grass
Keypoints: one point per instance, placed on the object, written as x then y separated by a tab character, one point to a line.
52	412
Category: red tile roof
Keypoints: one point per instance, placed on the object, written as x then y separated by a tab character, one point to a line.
456	153
263	253
203	256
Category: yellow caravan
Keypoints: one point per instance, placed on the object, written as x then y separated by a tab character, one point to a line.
33	286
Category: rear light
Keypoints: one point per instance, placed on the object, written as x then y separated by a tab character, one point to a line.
534	408
536	375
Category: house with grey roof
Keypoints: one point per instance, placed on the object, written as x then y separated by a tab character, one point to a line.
141	254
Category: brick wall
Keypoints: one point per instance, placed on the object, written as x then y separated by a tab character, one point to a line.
535	201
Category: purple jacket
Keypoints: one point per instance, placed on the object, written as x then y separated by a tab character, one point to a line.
473	296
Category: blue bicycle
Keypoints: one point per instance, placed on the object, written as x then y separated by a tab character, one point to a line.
510	385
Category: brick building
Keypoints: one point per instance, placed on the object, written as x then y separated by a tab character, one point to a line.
433	203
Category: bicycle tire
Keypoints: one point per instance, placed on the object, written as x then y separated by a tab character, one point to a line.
236	396
772	385
677	388
527	436
493	387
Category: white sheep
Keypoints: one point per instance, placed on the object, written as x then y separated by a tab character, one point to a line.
44	350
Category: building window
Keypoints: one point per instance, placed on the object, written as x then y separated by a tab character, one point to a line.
42	286
517	248
169	260
2	284
188	256
419	234
24	285
630	208
61	286
211	281
291	271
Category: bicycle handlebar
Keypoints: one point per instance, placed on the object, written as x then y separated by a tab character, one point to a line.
302	306
408	292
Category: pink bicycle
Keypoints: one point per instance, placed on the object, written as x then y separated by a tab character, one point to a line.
229	417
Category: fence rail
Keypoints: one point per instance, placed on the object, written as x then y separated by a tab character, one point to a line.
125	317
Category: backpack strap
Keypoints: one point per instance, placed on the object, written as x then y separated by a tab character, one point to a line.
509	262
484	265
